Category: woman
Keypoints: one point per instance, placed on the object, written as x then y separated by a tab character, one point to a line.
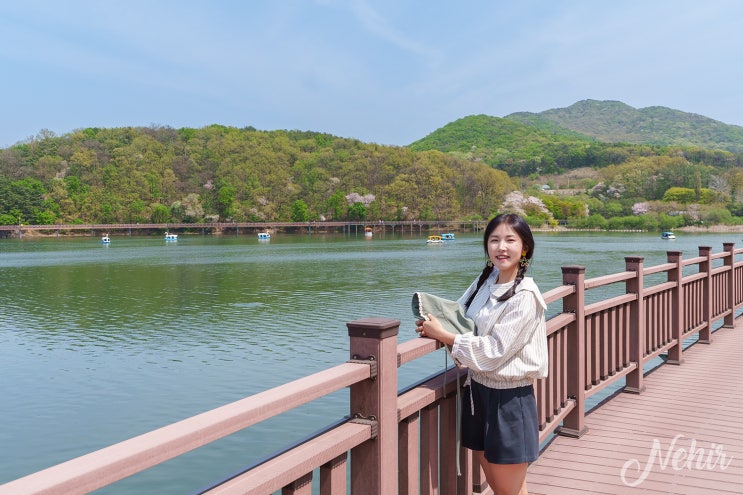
505	355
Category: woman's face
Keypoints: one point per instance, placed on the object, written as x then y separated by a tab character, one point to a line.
505	249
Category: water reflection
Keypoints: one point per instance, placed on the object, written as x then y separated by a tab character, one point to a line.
101	344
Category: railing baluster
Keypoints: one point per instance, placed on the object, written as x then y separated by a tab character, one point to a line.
574	424
705	334
374	464
676	317
634	381
729	248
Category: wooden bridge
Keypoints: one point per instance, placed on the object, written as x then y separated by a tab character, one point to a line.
670	428
682	435
352	227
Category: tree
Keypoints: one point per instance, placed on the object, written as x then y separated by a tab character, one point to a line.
357	211
160	214
300	212
682	195
226	199
25	196
192	209
335	205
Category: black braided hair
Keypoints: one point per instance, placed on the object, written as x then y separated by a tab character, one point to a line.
483	277
522	229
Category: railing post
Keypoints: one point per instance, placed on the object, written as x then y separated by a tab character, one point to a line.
675	353
374	463
705	333
574	423
634	381
729	247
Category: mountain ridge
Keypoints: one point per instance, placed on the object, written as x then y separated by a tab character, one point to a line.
614	121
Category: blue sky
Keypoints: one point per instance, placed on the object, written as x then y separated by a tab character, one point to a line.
387	71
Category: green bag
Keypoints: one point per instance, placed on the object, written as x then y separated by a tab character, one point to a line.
449	313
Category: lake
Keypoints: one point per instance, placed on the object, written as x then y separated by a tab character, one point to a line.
100	343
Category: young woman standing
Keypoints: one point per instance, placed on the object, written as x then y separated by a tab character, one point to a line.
504	356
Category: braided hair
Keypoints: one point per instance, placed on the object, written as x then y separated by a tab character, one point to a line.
522	229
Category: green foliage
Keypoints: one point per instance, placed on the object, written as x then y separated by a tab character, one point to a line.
124	175
335	205
594	221
300	212
514	147
682	195
626	223
45	218
535	221
357	211
667	222
8	219
463	170
717	215
524	145
160	214
226	198
649	222
614	121
564	207
22	199
651	177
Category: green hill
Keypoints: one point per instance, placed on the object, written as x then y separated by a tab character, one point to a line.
461	170
522	149
614	121
589	133
161	174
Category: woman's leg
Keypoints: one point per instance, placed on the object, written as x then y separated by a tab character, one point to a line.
504	479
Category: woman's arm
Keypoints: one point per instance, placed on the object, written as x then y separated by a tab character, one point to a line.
502	335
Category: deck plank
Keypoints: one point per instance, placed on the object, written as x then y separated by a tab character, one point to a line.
697	404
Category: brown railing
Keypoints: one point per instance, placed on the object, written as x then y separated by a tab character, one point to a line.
406	442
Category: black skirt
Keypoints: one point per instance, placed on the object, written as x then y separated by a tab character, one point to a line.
504	424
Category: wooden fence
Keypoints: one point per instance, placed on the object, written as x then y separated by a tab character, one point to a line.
405	442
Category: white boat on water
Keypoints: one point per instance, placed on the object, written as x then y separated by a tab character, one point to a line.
447	237
368	232
171	237
434	239
668	235
264	235
105	239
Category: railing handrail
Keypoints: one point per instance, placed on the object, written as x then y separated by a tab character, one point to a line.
103	467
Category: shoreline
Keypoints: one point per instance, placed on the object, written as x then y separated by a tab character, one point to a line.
692	229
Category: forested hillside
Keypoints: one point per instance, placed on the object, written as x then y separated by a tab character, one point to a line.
576	166
615	184
161	174
614	121
540	146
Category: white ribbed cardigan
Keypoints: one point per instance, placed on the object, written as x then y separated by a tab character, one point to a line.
510	348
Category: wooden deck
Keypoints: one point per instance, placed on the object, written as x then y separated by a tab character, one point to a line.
682	435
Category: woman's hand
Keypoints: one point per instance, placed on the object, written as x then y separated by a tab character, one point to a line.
433	329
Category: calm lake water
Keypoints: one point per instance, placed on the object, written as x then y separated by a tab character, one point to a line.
102	343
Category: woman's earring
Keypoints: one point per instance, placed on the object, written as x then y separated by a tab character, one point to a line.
489	263
524	262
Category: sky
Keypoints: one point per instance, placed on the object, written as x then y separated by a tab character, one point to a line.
388	72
